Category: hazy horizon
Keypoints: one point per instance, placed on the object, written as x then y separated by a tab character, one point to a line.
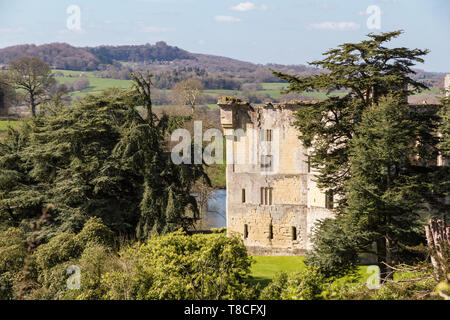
286	32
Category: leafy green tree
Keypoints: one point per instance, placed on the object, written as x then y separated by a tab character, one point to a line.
91	250
177	266
35	77
337	244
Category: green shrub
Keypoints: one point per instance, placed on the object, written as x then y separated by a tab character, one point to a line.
60	249
178	267
95	261
95	232
13	250
7	285
276	288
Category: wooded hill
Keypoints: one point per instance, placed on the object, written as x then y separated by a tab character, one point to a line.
163	57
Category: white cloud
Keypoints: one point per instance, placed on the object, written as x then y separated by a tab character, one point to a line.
226	19
248	6
340	26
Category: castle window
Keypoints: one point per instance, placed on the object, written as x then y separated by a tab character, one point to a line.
262	195
243	195
266	196
329	199
269	135
266	135
309	164
245	231
271	232
294	233
266	162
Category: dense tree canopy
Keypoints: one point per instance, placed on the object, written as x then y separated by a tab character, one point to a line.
101	158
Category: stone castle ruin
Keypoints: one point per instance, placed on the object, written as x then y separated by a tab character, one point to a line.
273	201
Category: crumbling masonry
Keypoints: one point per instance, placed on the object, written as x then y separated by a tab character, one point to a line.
272	198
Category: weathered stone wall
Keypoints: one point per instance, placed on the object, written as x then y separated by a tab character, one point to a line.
447	84
282	227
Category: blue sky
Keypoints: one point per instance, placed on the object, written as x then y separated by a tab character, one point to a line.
259	31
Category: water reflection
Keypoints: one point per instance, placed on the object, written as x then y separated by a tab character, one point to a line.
216	215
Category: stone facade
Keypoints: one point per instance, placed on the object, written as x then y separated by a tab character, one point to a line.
272	199
447	85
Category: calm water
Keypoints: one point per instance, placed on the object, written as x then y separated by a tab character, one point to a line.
216	217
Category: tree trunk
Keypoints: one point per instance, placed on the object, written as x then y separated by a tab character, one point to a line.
384	258
438	239
33	105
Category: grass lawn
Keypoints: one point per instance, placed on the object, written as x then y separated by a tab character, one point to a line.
264	268
5	124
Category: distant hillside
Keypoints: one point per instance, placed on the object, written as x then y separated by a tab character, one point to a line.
57	55
66	57
144	53
117	61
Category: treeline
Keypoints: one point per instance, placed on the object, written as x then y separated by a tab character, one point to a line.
57	55
160	51
167	79
67	57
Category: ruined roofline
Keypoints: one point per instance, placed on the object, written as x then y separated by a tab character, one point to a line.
230	101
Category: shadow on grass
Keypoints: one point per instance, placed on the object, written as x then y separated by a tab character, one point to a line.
263	282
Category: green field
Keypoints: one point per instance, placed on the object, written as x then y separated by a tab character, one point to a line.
5	124
98	84
95	84
264	268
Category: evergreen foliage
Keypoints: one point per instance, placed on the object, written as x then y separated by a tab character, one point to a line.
99	158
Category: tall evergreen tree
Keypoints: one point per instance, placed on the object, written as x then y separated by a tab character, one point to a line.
373	152
388	196
365	71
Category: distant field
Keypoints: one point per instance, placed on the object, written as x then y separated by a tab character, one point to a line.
272	89
95	84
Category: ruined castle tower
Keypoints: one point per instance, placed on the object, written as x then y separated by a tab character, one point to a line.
272	199
447	85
